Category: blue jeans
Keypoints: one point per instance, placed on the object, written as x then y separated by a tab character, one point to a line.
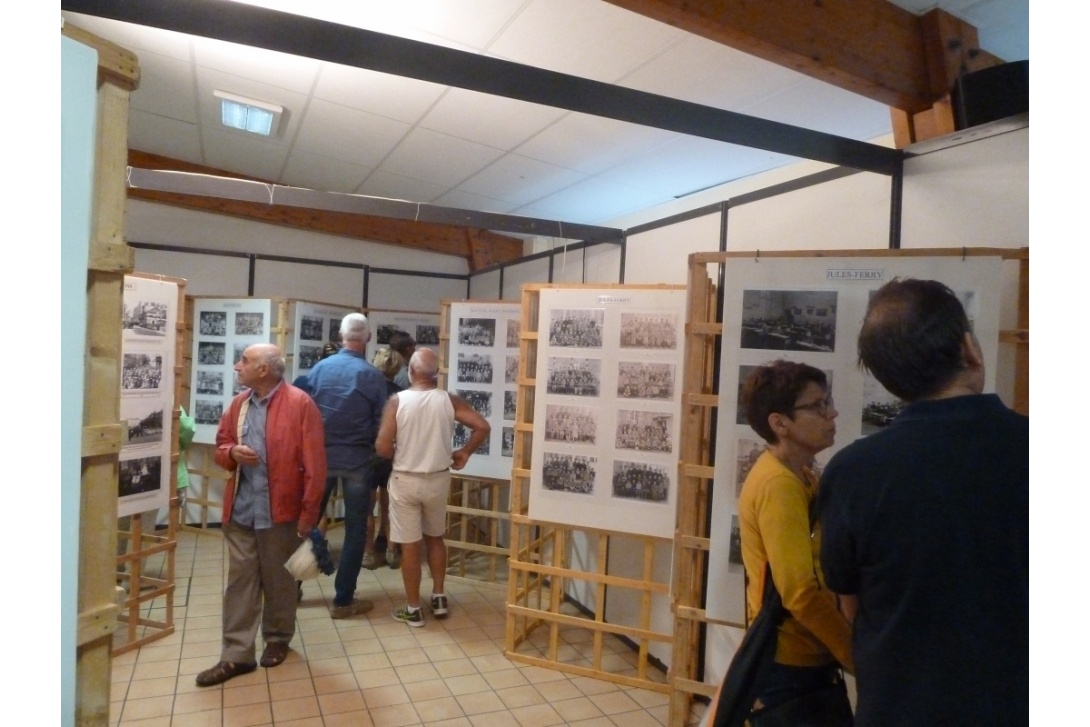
356	488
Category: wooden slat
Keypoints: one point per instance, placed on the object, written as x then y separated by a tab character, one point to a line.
102	439
869	47
479	247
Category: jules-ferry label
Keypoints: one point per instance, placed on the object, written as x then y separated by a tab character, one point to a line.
845	274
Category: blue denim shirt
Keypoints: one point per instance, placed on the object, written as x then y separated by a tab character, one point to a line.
252	508
351	394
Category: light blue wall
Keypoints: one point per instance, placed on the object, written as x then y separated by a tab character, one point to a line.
79	70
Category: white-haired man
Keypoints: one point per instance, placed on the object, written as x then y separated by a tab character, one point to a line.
350	393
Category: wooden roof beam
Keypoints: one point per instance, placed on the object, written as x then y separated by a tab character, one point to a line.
870	47
479	248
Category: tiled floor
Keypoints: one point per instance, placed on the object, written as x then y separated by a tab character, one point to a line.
367	671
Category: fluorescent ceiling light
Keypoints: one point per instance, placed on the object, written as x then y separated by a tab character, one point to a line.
247	114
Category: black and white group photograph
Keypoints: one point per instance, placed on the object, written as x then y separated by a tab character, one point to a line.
507	448
334	330
311	328
136	476
571	424
239	349
474	368
427	335
638	380
879	406
207	411
309	355
648	330
477	332
789	320
249	324
211	354
481	401
641	481
511	370
145	318
735	554
236	387
141	371
574	376
512	333
461	436
145	423
210	383
568	473
509	402
213	323
644	431
576	328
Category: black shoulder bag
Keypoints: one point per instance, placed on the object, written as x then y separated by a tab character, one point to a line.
751	661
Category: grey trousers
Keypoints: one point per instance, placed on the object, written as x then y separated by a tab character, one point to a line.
260	590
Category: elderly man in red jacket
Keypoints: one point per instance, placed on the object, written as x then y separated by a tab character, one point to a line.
271	440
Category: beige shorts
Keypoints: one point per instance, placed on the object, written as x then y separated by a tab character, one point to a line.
418	505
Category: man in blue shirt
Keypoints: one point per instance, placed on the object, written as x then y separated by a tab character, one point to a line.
350	393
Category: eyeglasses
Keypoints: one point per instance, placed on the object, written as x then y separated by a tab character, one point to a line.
821	407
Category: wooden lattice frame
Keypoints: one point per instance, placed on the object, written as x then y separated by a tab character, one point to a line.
478	507
141	629
700	401
540	565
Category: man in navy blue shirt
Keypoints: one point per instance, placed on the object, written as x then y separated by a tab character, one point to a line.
350	393
925	526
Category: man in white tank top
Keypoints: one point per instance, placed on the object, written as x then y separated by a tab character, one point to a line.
416	433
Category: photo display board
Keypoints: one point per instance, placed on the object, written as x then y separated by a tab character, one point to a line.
607	409
314	325
423	327
222	329
148	321
483	369
810	310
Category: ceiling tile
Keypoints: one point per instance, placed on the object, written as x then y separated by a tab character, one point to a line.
592	201
496	121
322	173
165	136
210	80
343	133
166	88
590	144
394	186
689	164
460	199
398	98
519	180
239	153
814	104
586	38
708	73
277	70
439	158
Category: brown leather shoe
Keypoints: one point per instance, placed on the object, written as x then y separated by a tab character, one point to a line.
222	672
274	654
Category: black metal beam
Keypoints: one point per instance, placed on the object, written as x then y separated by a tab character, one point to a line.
346	45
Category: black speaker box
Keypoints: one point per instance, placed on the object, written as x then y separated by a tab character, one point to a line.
990	94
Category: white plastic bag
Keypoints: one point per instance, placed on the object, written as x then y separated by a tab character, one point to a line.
303	565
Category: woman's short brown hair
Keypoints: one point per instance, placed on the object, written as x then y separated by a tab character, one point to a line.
773	389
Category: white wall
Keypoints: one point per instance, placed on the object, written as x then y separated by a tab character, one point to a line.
844	214
661	255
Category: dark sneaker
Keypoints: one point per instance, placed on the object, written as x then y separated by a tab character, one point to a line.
413	618
358	606
439	606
